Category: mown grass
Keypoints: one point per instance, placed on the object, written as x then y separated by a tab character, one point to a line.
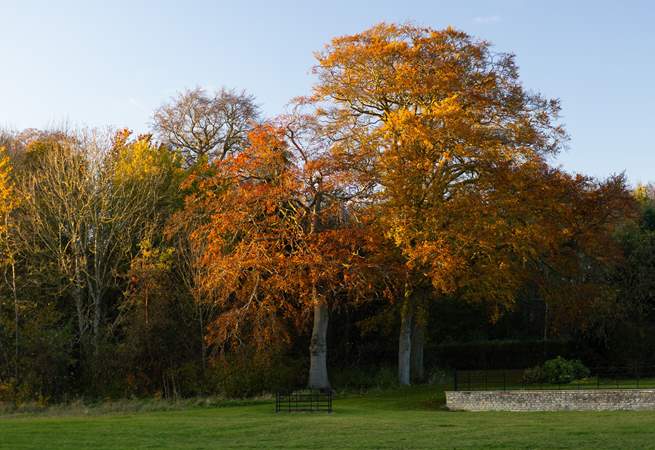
403	418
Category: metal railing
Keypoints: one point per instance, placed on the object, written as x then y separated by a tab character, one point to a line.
309	400
514	379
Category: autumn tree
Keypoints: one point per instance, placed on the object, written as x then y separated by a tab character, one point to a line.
439	127
206	126
188	254
276	242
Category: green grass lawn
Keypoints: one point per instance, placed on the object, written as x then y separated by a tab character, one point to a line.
406	418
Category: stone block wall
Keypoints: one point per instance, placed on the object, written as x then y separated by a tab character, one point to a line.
564	400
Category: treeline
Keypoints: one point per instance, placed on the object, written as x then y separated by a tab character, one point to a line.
406	202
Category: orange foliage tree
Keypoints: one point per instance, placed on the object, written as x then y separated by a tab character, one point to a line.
278	239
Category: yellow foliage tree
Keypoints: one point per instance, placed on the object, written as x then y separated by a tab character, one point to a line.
451	150
8	200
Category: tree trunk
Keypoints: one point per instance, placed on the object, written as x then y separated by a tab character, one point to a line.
201	335
79	297
97	321
545	330
418	344
318	375
405	340
16	327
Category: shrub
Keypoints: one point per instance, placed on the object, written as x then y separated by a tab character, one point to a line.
561	371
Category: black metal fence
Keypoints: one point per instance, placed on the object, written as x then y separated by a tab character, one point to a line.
515	379
309	400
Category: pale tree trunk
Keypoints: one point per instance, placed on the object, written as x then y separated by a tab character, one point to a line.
405	340
418	345
318	374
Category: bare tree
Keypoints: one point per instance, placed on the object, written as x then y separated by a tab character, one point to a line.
203	125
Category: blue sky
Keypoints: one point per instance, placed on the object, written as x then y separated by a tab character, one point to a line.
99	63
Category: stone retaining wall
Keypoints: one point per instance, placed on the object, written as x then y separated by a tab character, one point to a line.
565	400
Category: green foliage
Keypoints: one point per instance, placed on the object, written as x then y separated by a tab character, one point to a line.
562	371
556	371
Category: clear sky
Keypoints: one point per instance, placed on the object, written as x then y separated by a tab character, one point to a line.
98	63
